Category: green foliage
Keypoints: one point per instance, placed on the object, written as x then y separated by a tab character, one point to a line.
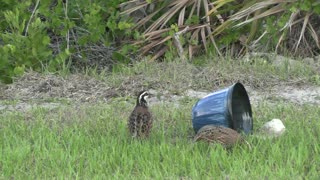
232	35
193	20
21	51
48	34
306	6
43	35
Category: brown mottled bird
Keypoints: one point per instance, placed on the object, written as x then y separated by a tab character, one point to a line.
140	120
218	134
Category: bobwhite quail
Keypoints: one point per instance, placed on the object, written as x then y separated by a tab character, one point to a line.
140	120
218	134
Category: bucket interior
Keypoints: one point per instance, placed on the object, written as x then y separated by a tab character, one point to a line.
240	109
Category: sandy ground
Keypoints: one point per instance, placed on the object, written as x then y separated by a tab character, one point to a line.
299	95
293	94
47	91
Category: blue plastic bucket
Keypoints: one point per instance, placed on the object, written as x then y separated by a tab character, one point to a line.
229	107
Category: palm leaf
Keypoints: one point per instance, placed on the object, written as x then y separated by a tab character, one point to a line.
274	10
303	29
290	23
181	16
264	4
314	35
134	8
204	39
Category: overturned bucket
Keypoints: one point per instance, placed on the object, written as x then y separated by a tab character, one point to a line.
229	107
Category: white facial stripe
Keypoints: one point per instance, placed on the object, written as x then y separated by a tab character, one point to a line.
141	95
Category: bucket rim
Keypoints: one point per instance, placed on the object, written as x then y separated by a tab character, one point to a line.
230	93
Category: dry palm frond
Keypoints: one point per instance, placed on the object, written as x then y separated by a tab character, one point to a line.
180	12
305	22
290	21
298	20
174	7
134	8
209	19
257	6
314	34
274	10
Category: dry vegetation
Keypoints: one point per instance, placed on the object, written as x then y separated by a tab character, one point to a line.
226	27
175	77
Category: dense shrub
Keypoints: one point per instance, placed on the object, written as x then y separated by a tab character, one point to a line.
51	33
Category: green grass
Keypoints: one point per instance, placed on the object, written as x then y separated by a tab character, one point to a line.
91	141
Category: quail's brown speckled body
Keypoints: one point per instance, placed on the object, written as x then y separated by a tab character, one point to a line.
218	134
140	120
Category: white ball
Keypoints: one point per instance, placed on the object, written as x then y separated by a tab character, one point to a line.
274	127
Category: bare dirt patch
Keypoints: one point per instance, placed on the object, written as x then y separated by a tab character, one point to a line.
170	82
47	90
302	94
76	87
